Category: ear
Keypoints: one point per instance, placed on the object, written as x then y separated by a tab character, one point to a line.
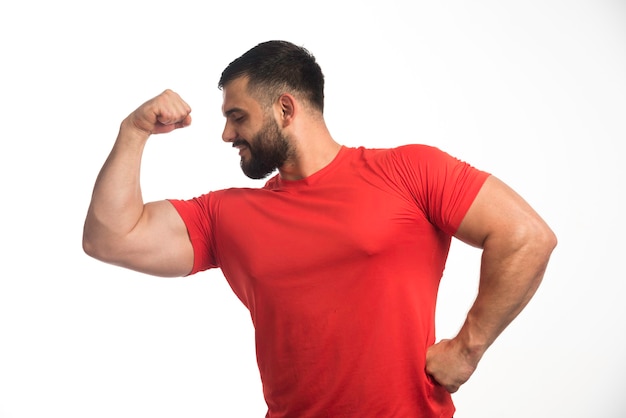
287	108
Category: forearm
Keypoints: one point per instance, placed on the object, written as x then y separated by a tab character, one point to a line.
117	203
511	272
516	245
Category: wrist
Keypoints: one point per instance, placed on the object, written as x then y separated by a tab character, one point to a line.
472	343
130	133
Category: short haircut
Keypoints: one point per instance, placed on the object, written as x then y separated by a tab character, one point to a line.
277	67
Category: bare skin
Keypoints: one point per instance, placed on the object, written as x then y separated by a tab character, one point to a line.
516	245
150	237
121	229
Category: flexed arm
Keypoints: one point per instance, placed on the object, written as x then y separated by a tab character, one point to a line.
516	245
121	229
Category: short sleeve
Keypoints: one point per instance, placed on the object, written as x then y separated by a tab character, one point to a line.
197	214
443	186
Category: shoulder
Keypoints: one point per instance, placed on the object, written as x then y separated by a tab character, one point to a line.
402	151
410	155
208	201
419	152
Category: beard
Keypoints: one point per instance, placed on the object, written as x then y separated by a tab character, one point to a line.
269	150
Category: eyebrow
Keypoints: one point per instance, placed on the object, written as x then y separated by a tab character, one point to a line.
233	110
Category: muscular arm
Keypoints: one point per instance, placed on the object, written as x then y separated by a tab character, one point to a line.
121	229
516	245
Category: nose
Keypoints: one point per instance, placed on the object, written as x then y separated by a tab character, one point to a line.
229	133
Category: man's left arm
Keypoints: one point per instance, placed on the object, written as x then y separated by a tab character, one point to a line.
516	245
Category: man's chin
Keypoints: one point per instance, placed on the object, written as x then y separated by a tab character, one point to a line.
255	173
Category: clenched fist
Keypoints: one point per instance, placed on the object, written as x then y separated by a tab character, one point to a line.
159	115
450	365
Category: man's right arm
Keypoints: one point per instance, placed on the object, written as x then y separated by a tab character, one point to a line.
119	228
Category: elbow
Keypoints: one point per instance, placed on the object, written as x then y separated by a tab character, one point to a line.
547	239
90	240
553	241
540	244
96	247
90	247
531	240
539	240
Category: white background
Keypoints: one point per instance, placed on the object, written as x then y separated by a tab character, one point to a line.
533	91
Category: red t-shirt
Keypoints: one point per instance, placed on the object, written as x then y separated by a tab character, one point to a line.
340	272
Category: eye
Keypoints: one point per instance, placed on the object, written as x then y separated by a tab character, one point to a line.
237	118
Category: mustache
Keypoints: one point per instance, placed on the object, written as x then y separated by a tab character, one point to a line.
239	142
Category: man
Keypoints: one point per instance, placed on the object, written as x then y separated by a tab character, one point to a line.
339	256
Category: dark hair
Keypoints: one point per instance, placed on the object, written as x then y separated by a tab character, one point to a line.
276	67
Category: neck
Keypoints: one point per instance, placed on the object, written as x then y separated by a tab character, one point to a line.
312	152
